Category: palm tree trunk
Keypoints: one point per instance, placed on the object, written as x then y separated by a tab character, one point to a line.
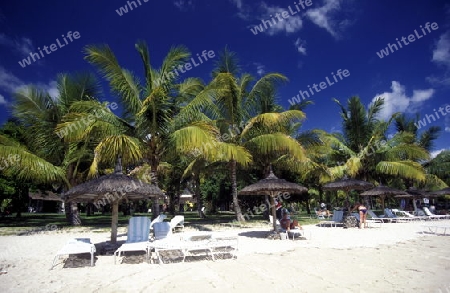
74	214
155	200
114	221
237	208
71	209
199	196
274	214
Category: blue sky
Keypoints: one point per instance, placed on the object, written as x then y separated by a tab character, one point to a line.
308	44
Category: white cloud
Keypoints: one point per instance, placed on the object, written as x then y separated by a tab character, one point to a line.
433	154
441	56
289	25
300	45
22	46
3	101
447	123
441	52
325	17
51	88
398	101
438	80
260	68
244	11
238	3
8	81
183	5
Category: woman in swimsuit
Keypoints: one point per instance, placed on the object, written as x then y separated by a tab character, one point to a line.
362	214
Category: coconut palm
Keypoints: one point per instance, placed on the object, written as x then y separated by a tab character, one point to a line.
149	107
437	170
40	113
425	138
244	125
19	163
367	152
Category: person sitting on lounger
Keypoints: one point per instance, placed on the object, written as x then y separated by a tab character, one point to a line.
323	211
288	224
362	214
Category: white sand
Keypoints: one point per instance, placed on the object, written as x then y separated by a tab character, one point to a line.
393	258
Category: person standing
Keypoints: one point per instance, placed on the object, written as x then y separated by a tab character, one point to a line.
362	214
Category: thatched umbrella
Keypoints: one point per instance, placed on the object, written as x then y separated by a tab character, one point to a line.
347	184
272	186
111	189
414	193
382	192
445	191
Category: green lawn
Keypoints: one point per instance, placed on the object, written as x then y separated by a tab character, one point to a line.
35	222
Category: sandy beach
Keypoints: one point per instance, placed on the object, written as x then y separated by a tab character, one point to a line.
394	258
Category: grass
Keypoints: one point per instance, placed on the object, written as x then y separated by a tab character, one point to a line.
36	222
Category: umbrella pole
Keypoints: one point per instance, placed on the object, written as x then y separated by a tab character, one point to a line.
274	214
114	221
382	203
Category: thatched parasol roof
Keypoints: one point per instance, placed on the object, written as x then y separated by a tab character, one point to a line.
272	185
348	184
445	191
48	195
112	189
413	192
123	186
383	191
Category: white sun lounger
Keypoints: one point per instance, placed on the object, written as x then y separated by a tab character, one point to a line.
193	245
338	218
435	228
76	246
137	236
294	232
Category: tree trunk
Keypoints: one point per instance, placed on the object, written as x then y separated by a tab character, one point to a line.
308	208
74	214
71	209
199	196
155	201
274	214
114	221
266	211
89	209
237	208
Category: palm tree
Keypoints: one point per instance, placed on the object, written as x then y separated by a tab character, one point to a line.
425	138
437	170
244	125
149	110
25	168
39	114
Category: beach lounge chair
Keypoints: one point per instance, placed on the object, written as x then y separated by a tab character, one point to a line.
408	215
137	236
390	214
158	219
368	221
162	230
338	218
433	229
433	216
374	216
294	232
198	244
76	246
177	222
